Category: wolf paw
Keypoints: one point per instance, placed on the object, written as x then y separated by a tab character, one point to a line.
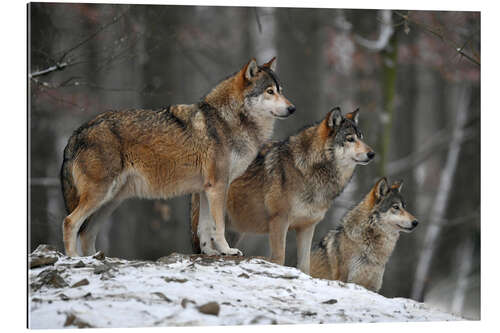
232	252
210	252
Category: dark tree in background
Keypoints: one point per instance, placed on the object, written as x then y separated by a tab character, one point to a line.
415	76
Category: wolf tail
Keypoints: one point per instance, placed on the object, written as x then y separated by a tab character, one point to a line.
69	191
194	215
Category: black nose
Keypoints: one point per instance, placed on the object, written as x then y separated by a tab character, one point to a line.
291	109
414	223
371	154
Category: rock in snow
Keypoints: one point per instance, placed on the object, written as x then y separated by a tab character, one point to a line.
181	290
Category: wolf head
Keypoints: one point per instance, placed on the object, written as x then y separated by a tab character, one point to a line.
389	207
262	92
342	139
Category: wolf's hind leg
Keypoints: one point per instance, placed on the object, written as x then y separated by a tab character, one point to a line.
88	232
72	223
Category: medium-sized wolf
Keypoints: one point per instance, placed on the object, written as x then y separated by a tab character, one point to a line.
291	184
358	250
180	149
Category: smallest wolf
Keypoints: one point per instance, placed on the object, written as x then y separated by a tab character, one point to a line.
358	250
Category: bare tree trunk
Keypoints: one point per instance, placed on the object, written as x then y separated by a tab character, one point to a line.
441	200
263	33
465	259
401	267
389	69
300	31
344	48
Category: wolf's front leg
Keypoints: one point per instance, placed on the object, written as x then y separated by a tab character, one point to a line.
278	228
304	240
216	196
206	227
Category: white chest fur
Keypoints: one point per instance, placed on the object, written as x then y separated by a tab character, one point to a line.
302	212
239	163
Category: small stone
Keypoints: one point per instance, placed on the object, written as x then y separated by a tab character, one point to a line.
309	313
244	275
99	255
101	269
210	308
63	297
172	258
50	278
162	296
45	248
263	320
169	279
185	302
330	301
80	283
40	260
79	264
72	320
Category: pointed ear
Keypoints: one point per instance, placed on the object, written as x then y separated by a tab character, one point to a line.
353	116
250	69
329	125
381	188
334	117
397	185
271	64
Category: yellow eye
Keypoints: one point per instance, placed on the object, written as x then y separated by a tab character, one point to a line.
270	91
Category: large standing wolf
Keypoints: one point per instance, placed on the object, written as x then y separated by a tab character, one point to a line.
180	149
358	250
291	184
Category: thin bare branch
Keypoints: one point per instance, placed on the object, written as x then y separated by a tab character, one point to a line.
257	18
459	49
193	60
439	142
475	215
61	64
386	31
57	67
45	181
94	34
62	100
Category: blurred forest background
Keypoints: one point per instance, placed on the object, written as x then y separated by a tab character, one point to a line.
415	76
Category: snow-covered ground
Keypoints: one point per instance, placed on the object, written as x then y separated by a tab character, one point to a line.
195	290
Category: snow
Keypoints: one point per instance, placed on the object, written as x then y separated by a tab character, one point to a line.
168	292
